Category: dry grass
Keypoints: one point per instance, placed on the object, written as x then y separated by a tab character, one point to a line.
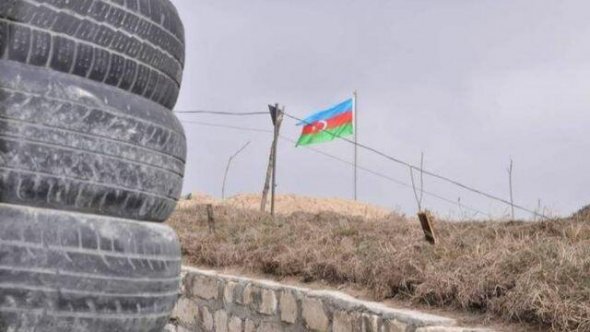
537	273
583	214
287	204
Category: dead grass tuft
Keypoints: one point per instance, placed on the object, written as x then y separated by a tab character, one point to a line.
583	214
538	273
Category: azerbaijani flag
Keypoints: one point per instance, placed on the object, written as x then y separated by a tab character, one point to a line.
328	125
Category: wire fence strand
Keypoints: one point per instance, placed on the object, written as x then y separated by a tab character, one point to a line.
217	125
208	112
426	172
342	160
389	178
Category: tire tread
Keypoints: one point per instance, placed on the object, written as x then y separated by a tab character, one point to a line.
57	265
87	42
57	150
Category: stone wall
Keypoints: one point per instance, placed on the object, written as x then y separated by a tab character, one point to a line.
216	302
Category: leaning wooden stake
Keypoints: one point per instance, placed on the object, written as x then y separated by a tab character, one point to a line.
210	218
426	222
266	187
277	119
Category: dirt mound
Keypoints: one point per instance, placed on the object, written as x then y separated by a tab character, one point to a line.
289	204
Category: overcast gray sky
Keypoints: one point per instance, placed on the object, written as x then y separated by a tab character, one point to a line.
469	83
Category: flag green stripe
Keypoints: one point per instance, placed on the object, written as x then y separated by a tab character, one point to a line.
326	135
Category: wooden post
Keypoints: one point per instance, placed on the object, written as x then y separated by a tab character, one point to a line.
276	115
278	122
210	218
267	179
427	227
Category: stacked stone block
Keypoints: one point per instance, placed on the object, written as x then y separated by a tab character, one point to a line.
217	302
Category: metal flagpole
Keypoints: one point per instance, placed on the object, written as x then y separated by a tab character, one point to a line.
354	102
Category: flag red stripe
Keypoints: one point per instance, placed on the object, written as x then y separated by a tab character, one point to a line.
334	122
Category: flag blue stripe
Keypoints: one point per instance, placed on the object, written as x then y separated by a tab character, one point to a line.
329	113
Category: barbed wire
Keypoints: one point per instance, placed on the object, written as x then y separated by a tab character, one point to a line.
334	157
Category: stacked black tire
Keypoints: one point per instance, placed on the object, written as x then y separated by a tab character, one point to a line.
91	161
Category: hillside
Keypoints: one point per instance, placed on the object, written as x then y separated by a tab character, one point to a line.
583	214
289	204
537	274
